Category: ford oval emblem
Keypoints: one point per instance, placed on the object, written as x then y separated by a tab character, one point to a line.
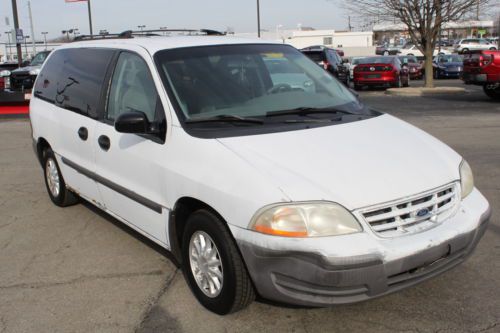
423	212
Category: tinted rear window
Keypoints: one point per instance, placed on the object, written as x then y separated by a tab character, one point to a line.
73	79
376	60
316	56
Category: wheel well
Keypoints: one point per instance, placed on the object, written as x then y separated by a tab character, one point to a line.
41	145
183	208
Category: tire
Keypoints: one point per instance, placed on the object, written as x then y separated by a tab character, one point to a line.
235	290
436	75
493	48
398	83
465	51
54	181
492	93
357	87
407	82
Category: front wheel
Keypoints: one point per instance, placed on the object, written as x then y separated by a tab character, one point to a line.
492	92
54	181
213	266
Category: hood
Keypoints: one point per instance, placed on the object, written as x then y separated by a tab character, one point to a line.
356	164
26	69
451	64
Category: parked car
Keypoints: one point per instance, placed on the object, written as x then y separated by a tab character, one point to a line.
447	66
414	67
386	50
302	197
385	71
329	60
474	44
22	79
5	70
483	68
413	50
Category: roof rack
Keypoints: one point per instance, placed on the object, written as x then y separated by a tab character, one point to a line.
148	33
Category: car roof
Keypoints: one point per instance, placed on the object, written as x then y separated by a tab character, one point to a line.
154	44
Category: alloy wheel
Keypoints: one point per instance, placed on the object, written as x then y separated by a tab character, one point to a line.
206	264
52	174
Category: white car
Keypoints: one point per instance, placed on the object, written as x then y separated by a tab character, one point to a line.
474	44
412	50
303	196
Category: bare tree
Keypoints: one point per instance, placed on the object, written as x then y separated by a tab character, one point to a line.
423	18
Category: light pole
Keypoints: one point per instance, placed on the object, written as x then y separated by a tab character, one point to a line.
141	27
26	46
8	36
278	27
258	18
44	33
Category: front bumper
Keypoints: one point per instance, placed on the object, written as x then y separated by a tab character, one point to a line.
352	268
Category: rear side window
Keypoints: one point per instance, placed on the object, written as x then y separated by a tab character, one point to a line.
316	56
73	79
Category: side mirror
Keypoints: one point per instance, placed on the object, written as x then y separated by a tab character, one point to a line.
132	122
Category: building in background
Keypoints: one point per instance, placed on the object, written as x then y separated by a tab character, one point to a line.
398	33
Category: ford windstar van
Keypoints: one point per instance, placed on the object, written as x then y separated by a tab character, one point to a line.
256	168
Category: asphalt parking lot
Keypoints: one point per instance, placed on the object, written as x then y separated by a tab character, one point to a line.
79	270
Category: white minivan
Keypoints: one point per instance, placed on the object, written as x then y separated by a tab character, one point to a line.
297	193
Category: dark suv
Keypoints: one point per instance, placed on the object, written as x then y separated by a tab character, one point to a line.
329	60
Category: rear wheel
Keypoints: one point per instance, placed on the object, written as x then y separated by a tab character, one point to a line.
492	91
54	181
213	266
465	50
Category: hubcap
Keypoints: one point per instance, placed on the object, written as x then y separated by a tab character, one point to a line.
206	264
52	177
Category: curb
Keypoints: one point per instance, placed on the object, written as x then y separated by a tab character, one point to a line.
425	91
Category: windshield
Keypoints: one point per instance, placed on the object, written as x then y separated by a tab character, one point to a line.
408	60
450	58
39	59
248	81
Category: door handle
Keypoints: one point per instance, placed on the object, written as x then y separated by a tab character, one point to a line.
83	133
104	142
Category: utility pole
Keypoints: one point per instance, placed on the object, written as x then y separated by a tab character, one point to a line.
90	18
16	28
477	14
32	28
350	27
258	18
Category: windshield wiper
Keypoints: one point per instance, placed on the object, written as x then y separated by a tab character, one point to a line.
228	118
303	111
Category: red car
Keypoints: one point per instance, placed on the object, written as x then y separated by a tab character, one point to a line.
414	66
483	68
384	71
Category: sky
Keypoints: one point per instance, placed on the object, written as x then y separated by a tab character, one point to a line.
53	16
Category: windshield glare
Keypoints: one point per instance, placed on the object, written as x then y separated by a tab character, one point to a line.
248	81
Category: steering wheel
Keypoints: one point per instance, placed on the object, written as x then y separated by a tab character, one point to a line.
280	88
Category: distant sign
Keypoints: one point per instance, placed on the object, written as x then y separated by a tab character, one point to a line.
19	35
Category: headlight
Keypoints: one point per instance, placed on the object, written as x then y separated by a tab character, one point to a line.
35	71
308	219
4	73
466	179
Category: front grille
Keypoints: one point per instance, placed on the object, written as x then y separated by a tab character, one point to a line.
415	214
